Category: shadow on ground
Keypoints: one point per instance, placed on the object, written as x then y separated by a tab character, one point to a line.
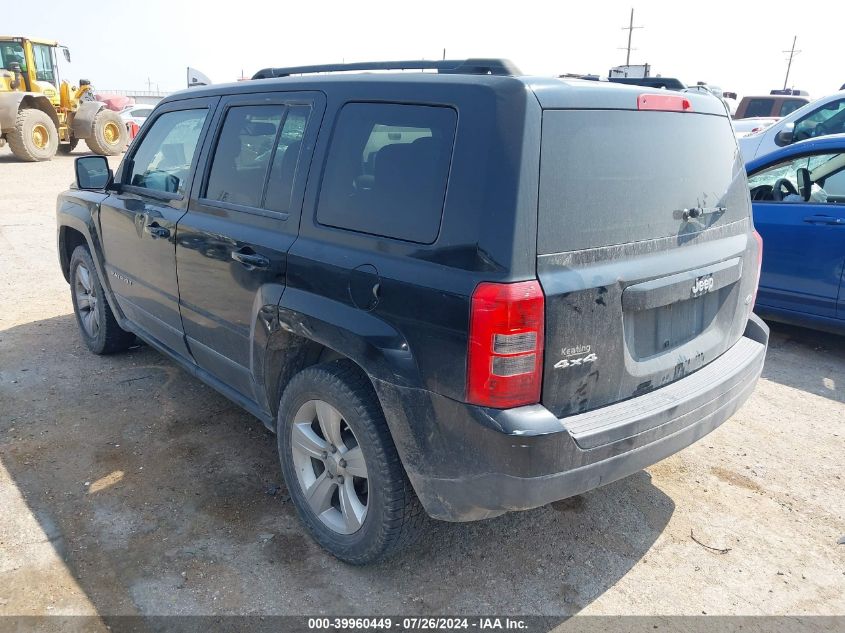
81	150
163	497
808	360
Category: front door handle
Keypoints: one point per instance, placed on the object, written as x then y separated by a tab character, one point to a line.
824	219
157	231
250	259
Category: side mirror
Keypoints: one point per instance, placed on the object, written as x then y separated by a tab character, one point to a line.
66	52
805	183
785	136
92	172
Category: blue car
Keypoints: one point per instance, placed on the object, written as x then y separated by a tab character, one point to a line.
798	197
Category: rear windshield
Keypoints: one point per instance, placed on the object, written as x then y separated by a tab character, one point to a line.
615	176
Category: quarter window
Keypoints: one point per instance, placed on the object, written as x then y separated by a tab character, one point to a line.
163	159
387	170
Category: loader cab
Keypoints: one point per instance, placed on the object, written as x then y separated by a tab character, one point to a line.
33	66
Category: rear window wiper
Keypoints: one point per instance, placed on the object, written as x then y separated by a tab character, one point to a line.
697	212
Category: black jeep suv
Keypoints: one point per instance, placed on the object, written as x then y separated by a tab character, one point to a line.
464	291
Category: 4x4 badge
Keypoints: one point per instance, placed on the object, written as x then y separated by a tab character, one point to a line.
575	362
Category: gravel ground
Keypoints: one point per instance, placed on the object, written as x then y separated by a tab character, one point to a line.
128	487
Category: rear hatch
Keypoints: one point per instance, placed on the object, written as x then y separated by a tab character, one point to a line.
645	247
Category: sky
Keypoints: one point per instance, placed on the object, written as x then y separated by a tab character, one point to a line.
735	45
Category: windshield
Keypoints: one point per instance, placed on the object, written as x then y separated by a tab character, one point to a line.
11	52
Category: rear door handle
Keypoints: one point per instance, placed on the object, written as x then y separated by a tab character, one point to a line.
250	260
157	231
824	219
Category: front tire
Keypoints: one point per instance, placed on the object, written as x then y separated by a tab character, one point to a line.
109	135
97	325
341	467
34	137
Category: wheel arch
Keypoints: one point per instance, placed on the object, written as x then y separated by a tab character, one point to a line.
75	213
12	102
69	239
313	330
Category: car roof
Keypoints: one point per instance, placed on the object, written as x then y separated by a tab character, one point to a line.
812	145
551	92
781	97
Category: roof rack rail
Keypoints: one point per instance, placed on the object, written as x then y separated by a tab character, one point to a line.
446	66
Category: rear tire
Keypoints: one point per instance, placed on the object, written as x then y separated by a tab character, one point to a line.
97	325
109	135
34	137
367	510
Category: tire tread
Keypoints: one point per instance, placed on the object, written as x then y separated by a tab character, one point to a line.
116	339
403	515
18	144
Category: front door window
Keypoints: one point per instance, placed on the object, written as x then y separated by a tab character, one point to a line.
44	68
829	119
163	160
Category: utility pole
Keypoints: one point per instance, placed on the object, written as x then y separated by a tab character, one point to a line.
792	52
630	28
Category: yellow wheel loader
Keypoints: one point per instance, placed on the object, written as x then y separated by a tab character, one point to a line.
40	114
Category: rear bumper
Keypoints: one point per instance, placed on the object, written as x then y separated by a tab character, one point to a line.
469	463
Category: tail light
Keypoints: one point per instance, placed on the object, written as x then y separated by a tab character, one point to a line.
504	367
759	266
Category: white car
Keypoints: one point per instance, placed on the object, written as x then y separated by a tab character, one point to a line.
753	125
137	114
818	118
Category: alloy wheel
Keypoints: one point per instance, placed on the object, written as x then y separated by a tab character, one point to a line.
86	301
330	466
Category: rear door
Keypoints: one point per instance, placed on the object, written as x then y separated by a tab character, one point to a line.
231	246
138	223
645	249
804	240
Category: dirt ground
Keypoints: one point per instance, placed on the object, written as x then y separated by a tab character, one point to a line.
128	487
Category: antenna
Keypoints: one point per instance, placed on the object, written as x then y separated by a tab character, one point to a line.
630	28
792	52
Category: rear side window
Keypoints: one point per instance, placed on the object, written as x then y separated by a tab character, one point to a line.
258	144
758	107
162	162
243	154
286	159
387	170
788	107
